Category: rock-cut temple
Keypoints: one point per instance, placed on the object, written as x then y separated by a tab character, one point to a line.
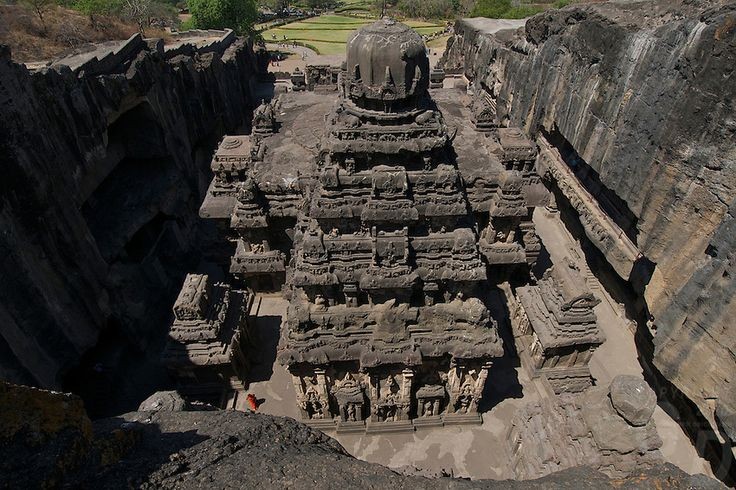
388	229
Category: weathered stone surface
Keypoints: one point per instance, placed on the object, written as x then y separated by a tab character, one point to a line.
43	435
726	418
90	166
163	401
552	435
633	399
645	94
221	449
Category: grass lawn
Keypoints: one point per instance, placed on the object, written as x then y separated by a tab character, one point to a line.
439	42
328	34
333	20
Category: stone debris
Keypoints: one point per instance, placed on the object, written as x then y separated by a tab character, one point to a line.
633	399
166	401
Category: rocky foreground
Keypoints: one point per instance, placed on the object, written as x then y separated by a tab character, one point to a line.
47	440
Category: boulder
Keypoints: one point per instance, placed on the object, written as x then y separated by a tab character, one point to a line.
633	399
163	401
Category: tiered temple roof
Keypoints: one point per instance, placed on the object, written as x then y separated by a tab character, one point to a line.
372	207
209	329
558	315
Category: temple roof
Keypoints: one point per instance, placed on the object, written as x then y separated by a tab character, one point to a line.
560	309
207	319
389	333
386	61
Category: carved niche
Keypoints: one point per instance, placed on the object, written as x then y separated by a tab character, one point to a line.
350	399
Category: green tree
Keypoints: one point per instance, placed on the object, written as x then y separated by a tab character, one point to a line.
503	9
239	15
427	9
98	7
493	9
319	4
274	5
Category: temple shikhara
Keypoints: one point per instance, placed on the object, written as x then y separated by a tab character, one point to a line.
388	221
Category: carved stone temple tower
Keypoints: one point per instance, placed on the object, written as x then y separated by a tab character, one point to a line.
387	326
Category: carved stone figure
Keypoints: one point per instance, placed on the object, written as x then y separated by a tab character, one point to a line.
465	399
312	404
264	119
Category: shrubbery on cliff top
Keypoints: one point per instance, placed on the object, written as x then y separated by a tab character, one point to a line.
239	15
502	9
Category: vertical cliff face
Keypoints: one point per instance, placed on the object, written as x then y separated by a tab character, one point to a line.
101	180
644	93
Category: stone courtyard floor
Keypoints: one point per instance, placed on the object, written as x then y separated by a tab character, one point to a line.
473	451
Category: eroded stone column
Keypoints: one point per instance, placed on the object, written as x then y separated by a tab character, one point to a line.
407	376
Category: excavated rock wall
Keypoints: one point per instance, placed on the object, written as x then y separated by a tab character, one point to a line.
645	93
102	177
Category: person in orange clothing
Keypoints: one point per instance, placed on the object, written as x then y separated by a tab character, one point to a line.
252	401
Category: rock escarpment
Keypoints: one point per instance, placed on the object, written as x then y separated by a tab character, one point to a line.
102	176
643	92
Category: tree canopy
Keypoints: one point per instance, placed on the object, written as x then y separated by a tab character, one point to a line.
503	9
239	15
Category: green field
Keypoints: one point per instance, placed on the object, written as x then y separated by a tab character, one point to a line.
439	42
328	34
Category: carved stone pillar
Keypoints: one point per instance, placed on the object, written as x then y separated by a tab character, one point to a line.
454	376
374	394
480	383
299	389
454	379
406	393
319	373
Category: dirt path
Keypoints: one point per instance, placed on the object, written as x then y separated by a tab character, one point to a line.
300	57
